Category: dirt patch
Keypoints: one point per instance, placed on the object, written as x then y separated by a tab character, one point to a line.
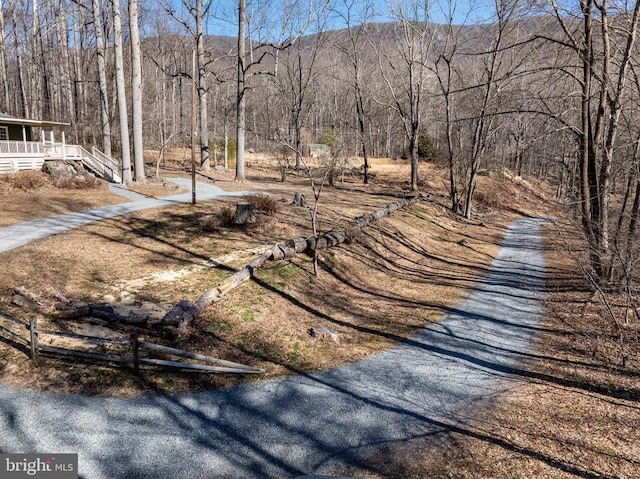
400	274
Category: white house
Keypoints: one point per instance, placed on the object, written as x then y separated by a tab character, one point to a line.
20	150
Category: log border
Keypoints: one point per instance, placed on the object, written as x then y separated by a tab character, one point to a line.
177	321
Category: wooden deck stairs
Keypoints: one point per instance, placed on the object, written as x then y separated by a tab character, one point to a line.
16	156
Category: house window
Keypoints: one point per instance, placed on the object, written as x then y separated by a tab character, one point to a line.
4	132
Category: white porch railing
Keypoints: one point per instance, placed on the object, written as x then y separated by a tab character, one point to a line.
107	160
102	165
18	156
30	155
11	147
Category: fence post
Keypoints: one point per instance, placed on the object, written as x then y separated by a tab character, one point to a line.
135	344
33	328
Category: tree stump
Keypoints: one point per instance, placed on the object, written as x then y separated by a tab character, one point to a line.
298	199
244	214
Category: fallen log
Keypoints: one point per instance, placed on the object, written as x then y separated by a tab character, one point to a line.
24	302
364	220
23	291
299	245
67	310
181	315
177	321
82	311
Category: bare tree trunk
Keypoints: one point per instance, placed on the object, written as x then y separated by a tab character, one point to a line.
445	81
40	99
241	118
623	210
615	109
602	96
353	51
226	144
476	155
453	182
413	146
363	141
102	76
23	104
4	78
633	220
480	131
136	95
80	85
121	94
404	73
591	137
63	46
202	91
34	62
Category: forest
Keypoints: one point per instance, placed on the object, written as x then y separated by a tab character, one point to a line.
547	88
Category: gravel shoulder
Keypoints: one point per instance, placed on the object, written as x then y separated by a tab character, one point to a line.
307	424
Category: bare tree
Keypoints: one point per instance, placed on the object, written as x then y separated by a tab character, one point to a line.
241	91
262	56
355	16
603	81
403	66
121	94
23	104
136	89
193	18
203	91
295	81
505	12
102	77
446	72
4	76
65	69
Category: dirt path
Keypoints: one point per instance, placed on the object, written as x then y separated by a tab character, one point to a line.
307	424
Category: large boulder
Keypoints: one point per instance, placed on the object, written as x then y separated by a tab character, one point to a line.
61	171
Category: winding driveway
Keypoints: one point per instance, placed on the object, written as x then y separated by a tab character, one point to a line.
308	424
21	234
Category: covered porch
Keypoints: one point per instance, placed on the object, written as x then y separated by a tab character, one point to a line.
20	150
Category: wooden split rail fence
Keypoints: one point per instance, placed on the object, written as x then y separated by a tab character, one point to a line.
130	349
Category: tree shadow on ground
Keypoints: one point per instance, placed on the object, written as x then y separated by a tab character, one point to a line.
285	429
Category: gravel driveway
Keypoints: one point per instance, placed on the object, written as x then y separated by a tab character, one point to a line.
15	236
304	425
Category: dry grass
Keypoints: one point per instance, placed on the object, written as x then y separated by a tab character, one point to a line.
32	194
367	292
572	411
25	181
156	188
263	204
